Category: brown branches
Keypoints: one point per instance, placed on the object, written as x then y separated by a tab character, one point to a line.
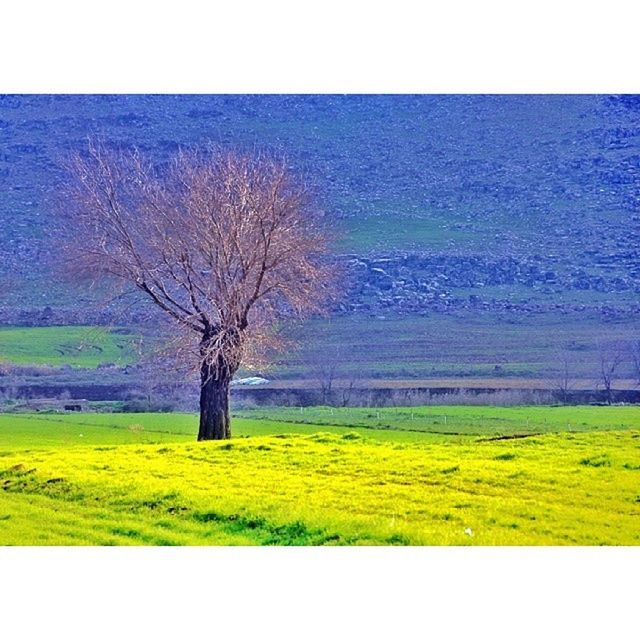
610	358
221	242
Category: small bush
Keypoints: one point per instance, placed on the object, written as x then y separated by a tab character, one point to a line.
506	456
595	462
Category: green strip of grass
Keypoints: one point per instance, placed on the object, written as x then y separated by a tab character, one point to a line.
78	346
400	424
463	420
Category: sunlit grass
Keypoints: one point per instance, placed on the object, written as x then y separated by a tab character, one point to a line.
463	420
319	485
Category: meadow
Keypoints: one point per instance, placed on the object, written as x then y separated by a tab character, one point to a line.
434	346
332	476
78	346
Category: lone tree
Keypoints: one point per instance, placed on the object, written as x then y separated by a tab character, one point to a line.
226	244
610	359
563	380
635	359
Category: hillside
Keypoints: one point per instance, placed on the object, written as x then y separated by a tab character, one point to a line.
507	209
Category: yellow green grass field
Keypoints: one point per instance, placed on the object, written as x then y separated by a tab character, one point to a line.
99	479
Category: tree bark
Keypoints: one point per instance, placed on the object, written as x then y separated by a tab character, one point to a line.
215	423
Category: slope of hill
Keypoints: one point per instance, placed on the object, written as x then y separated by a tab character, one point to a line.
484	174
506	207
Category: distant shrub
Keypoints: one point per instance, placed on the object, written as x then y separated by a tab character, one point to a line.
28	370
501	398
106	365
144	406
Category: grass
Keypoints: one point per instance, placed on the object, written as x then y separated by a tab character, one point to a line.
79	346
427	231
36	431
462	420
462	344
141	479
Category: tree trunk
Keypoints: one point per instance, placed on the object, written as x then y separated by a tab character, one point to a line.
215	423
609	395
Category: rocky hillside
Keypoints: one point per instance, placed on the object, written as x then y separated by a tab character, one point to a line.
526	203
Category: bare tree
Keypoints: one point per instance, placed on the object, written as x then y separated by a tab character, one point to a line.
348	388
325	372
635	359
563	379
610	359
337	381
225	244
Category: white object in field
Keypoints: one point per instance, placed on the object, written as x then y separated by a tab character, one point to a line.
468	531
249	381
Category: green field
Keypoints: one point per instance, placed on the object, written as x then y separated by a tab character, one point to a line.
464	344
386	347
460	420
78	346
141	479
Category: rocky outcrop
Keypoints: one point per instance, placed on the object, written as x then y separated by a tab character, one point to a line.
412	283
